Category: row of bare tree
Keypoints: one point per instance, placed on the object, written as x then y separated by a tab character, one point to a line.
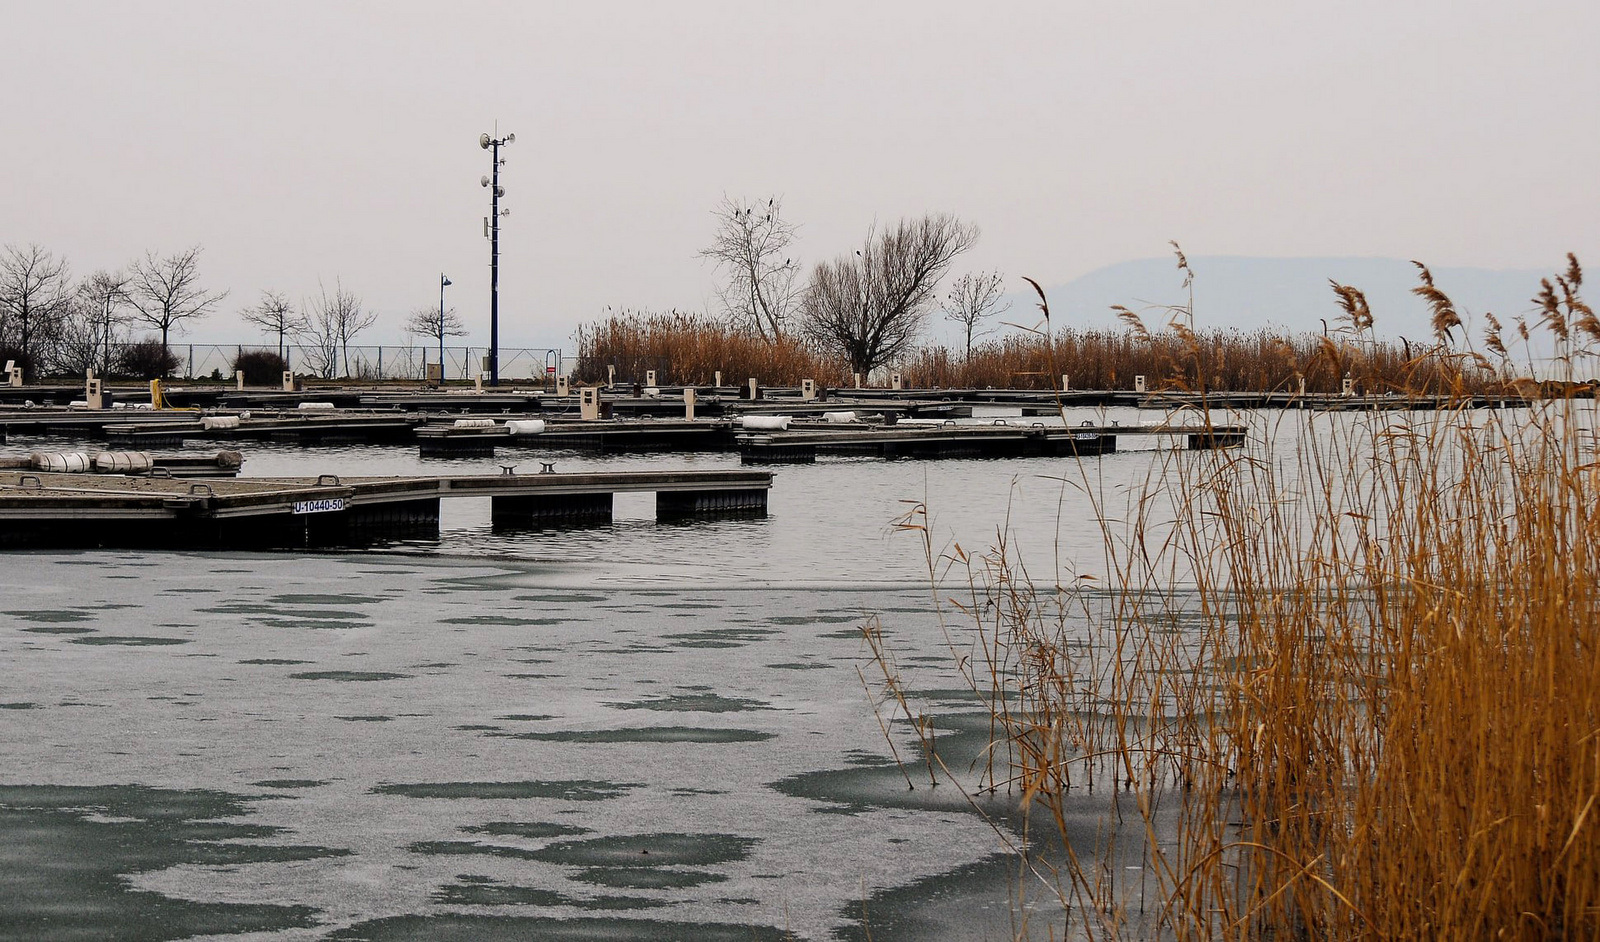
51	324
867	307
325	327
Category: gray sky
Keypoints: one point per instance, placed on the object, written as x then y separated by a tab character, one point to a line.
299	141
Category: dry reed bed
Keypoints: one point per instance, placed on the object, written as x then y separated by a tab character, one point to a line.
691	349
688	349
1343	683
1232	360
1356	693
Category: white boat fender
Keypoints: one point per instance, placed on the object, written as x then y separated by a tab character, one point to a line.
219	421
316	407
476	423
124	462
525	426
838	417
59	462
765	423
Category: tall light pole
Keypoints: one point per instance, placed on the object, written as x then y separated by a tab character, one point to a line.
443	283
493	225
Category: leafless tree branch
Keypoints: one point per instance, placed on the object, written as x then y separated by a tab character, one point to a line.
974	298
332	321
752	251
165	292
436	324
275	314
35	296
869	307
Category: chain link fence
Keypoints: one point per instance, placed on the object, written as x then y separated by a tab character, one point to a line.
215	361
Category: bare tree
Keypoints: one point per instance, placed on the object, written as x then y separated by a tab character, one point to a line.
275	314
332	322
436	323
95	313
973	298
319	340
751	249
78	344
35	295
101	307
869	307
165	292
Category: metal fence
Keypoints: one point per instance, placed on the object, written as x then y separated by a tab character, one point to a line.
200	361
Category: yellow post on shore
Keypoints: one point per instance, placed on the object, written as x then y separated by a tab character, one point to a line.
155	394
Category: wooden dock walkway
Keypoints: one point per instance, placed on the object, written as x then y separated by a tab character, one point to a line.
88	510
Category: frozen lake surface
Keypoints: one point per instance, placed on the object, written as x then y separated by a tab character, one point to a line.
632	731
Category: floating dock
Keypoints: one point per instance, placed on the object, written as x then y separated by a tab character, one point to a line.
949	440
223	464
89	510
611	436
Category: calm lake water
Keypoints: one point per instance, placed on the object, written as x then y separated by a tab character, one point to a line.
632	731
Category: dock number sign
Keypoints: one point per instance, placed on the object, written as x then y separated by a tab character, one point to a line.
318	506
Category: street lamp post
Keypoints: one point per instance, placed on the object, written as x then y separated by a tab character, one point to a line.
495	192
443	283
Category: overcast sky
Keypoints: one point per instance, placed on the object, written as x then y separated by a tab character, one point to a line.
307	141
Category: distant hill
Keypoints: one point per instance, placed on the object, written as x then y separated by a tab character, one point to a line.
1289	294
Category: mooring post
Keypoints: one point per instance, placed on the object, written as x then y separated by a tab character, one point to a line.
717	381
1064	384
238	379
611	375
755	389
858	380
688	402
